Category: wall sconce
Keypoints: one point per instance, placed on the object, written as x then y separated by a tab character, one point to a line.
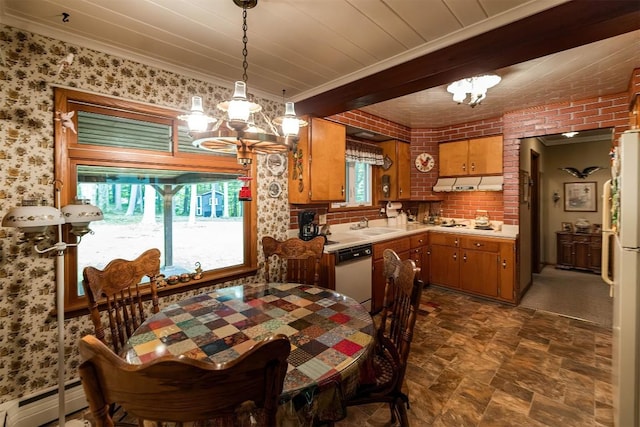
555	198
33	221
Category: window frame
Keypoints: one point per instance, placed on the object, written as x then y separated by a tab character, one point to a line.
350	181
69	154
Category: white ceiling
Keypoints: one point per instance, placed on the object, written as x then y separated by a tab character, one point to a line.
307	47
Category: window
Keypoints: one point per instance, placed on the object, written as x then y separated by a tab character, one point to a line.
137	163
358	184
359	160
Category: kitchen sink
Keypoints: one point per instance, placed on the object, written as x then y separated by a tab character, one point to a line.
373	231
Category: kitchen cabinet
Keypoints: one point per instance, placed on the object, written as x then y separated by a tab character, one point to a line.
401	247
394	183
317	164
580	251
444	268
478	265
419	253
479	156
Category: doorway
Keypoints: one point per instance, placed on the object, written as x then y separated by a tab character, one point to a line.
551	161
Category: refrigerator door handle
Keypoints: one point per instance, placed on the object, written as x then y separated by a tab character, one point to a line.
606	235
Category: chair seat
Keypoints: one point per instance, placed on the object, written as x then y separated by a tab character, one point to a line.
382	375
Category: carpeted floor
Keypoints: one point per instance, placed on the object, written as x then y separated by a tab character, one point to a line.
574	294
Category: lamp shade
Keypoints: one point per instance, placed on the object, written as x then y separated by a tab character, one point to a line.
289	123
79	215
32	219
81	212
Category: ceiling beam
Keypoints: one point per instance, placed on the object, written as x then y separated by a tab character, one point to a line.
569	25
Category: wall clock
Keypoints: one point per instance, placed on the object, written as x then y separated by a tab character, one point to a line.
425	162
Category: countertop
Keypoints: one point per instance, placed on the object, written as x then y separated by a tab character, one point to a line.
342	236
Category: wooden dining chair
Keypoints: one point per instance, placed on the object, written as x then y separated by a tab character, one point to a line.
243	391
393	338
116	290
293	260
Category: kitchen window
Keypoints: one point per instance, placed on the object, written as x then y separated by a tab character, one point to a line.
360	157
136	162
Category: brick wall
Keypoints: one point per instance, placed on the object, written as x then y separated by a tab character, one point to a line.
599	112
364	120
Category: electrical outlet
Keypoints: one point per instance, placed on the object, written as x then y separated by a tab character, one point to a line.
322	219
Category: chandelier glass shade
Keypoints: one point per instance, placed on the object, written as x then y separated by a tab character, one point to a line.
196	119
473	87
237	130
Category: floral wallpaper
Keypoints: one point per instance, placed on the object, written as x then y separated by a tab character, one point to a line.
30	66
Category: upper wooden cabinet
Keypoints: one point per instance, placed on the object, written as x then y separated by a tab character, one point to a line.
480	156
394	183
317	166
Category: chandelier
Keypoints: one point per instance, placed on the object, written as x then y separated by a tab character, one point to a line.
236	131
474	87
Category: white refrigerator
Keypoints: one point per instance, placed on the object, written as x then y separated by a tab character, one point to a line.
621	255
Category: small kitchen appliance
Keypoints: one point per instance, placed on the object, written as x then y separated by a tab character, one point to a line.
308	229
482	220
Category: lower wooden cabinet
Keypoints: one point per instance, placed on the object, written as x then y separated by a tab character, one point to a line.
444	266
419	253
581	251
478	265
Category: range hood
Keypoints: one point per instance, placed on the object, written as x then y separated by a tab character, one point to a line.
469	183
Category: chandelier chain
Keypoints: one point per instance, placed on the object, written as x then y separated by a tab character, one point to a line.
245	64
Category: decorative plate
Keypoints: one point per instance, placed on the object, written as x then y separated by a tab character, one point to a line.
276	163
425	162
275	189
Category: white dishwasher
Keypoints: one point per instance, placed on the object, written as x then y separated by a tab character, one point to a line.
353	273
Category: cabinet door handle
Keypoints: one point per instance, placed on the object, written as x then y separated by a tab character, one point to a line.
479	244
456	242
473	167
400	191
455	256
342	190
464	257
504	263
464	166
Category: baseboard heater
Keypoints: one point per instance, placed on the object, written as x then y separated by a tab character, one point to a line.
42	407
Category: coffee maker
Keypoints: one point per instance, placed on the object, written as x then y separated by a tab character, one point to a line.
308	229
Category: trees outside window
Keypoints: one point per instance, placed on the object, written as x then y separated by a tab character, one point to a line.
137	163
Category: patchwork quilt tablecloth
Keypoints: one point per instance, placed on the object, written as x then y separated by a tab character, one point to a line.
330	333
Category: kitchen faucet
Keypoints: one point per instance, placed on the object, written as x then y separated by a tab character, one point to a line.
364	223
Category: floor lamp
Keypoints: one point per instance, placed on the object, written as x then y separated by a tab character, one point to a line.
34	221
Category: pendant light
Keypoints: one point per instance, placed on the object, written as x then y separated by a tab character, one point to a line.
237	129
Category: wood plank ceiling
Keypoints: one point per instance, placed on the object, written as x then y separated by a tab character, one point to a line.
392	58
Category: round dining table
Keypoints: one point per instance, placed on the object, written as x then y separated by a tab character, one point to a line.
331	334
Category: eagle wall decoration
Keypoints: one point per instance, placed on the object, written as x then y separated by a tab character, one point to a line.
581	174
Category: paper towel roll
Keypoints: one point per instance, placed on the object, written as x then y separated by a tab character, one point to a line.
392	209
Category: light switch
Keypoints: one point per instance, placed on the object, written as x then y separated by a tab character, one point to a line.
322	219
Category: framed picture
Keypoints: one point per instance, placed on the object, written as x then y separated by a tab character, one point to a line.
580	197
567	227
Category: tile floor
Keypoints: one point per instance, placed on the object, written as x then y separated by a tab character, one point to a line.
479	363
